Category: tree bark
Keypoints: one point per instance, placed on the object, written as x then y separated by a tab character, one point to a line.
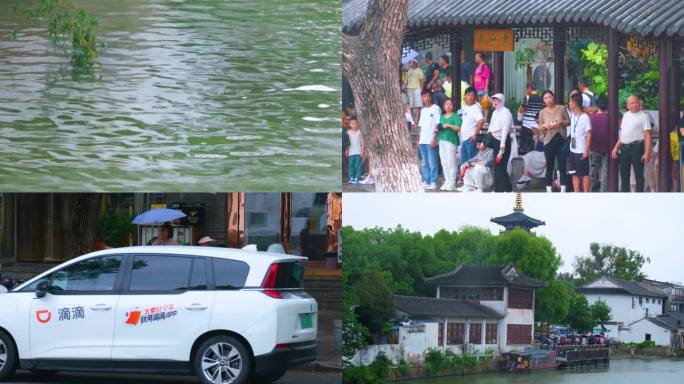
86	208
369	63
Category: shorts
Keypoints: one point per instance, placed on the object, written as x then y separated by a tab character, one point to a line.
415	97
577	166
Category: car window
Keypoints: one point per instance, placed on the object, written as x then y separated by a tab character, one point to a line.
97	274
290	275
198	279
230	274
160	273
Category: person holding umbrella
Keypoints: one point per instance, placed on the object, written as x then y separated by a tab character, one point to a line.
165	236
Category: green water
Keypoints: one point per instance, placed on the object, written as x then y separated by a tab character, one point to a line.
633	371
185	95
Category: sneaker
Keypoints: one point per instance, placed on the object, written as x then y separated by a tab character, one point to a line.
351	181
367	180
450	188
462	188
433	186
562	188
444	187
549	189
524	179
426	186
470	189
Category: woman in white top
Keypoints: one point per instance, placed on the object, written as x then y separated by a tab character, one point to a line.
580	143
498	138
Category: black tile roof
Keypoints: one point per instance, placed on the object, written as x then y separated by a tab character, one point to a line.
631	287
674	319
517	219
637	17
415	306
663	323
464	276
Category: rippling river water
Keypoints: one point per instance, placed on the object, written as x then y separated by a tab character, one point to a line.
199	95
631	371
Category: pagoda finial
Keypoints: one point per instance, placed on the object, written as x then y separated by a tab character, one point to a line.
518	202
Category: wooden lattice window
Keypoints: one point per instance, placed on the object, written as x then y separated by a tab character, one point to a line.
519	334
455	333
490	334
520	298
475	334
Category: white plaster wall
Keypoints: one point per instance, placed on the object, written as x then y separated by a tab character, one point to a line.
621	306
498	306
413	342
639	330
368	354
432	335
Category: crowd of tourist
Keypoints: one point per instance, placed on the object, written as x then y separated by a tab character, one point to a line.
569	146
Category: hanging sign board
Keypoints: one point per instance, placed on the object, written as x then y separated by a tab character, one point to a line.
497	39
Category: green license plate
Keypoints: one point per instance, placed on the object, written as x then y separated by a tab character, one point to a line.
305	320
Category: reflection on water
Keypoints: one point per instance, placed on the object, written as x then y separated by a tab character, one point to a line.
217	95
632	371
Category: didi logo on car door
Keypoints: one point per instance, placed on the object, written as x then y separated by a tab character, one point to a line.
43	316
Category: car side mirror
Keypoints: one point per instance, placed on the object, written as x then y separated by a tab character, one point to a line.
42	288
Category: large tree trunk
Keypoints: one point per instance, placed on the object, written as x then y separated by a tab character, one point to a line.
86	207
370	63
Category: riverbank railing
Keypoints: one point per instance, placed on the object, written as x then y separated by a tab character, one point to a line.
573	356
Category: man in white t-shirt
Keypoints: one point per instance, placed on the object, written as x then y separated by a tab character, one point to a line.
580	142
427	143
634	144
473	119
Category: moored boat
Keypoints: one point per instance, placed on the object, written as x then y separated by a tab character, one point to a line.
531	360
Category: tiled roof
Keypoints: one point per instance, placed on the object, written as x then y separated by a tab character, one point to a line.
629	286
464	276
517	218
415	306
638	17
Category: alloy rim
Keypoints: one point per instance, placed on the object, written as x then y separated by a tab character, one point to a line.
221	363
3	355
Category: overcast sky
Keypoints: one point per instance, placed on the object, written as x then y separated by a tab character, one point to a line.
652	224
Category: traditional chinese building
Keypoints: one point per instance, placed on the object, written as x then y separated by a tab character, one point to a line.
476	309
517	219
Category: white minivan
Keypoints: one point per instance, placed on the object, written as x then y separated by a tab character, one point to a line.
225	315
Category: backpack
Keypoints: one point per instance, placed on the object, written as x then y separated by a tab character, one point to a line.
592	99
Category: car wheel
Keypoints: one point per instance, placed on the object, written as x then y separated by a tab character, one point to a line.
269	378
8	356
223	359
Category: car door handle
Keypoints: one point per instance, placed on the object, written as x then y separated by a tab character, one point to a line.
196	307
101	307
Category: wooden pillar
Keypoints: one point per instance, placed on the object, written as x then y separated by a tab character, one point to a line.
675	91
498	72
235	217
665	122
285	205
613	118
559	36
456	46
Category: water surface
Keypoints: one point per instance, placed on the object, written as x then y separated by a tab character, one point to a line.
199	95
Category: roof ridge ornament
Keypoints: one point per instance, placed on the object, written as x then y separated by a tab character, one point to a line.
518	203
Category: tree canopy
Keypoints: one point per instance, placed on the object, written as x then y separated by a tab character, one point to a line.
404	258
609	260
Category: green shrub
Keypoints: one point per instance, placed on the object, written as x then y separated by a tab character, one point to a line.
403	368
381	366
645	344
434	361
376	373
